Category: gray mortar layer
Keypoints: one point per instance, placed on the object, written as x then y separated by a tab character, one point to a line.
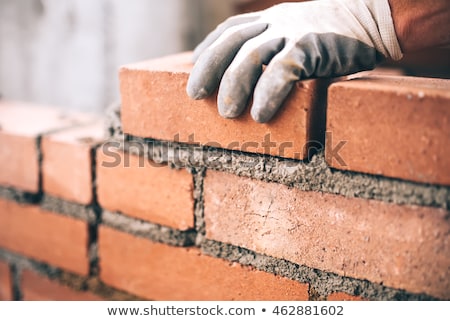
322	283
153	232
50	203
19	196
313	175
199	205
78	211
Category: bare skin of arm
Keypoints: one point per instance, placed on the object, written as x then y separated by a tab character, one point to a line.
421	24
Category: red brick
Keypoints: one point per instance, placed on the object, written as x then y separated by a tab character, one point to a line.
20	125
36	287
393	126
145	190
340	296
45	236
161	272
5	282
67	162
364	239
19	162
155	104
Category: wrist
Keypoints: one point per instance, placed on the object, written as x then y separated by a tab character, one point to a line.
376	19
419	25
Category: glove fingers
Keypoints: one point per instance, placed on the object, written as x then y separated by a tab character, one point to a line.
240	78
275	83
212	63
220	29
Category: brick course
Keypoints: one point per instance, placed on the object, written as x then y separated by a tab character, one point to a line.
161	272
155	105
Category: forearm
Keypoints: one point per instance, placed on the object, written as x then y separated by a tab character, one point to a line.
421	24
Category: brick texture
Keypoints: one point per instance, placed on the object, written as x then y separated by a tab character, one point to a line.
393	126
139	188
19	162
45	236
67	162
155	104
36	287
161	272
403	247
5	282
20	126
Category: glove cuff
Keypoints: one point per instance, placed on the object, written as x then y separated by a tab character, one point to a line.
376	17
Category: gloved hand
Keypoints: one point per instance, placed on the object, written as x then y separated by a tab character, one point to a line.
323	38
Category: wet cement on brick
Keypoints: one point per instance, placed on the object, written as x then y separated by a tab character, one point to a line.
153	232
313	175
322	283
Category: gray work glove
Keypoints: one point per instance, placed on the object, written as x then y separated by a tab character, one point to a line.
323	38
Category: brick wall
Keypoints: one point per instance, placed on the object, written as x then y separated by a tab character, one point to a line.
344	196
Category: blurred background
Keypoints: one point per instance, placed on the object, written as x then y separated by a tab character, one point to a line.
67	52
